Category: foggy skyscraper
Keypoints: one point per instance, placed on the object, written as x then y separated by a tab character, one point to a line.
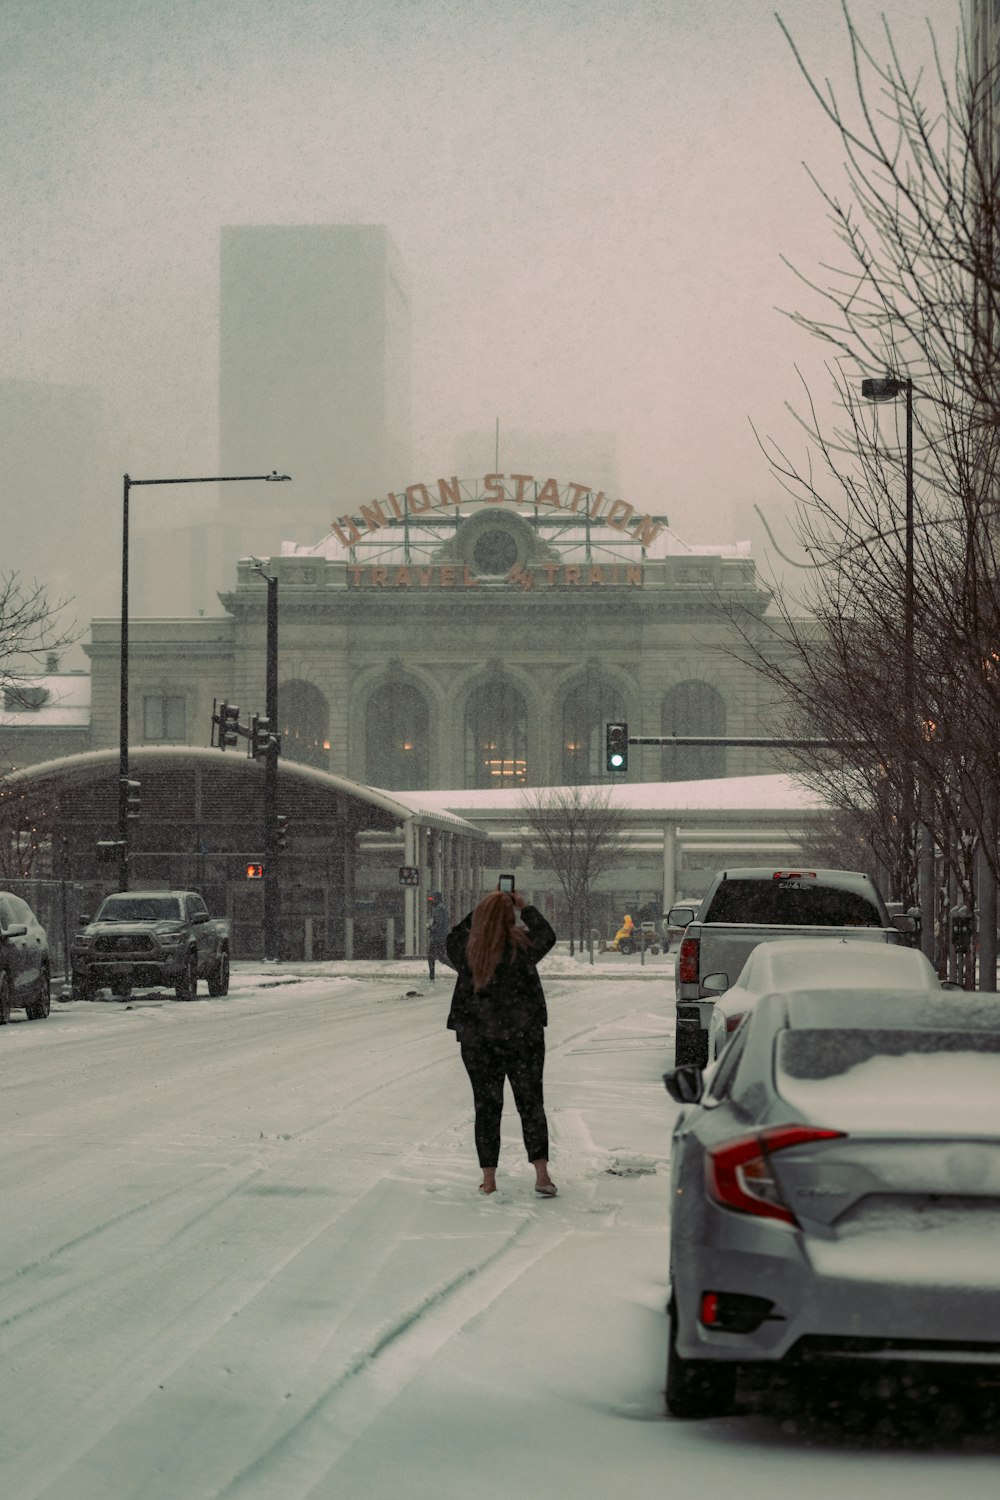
314	371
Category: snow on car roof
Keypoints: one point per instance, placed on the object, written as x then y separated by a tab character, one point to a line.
833	962
947	1092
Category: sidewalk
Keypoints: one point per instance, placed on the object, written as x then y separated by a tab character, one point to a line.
556	965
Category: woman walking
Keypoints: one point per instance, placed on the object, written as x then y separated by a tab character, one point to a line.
499	1016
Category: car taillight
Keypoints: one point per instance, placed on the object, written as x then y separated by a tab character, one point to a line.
733	1021
687	960
738	1173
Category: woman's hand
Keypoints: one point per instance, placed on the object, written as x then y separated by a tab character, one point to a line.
518	900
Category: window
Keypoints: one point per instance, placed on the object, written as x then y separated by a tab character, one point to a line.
496	736
693	708
590	704
20	698
720	1083
304	724
396	738
799	903
164	719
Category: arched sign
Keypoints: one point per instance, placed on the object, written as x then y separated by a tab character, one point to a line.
569	500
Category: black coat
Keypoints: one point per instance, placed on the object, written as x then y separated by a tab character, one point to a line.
513	1000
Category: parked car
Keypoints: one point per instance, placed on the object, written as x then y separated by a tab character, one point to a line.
146	938
836	1194
813	964
24	960
743	907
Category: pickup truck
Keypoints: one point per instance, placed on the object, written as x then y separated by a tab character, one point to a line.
149	938
745	906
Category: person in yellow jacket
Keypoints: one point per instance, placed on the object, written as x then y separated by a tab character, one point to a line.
625	930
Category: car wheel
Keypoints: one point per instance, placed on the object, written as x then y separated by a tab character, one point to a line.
625	946
187	984
42	1004
218	979
5	999
697	1388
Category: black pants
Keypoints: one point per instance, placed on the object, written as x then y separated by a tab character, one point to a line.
438	953
521	1058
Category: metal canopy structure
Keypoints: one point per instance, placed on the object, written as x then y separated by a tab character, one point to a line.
200	826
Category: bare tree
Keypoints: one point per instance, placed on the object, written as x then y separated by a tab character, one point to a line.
30	628
578	834
891	648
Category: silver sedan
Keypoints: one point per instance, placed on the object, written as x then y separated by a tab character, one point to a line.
813	963
836	1193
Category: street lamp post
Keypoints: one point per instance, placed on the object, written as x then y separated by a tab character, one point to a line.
123	730
889	388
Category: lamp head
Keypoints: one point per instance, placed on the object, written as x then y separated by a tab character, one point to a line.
886	389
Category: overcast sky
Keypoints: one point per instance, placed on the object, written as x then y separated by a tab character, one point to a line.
590	199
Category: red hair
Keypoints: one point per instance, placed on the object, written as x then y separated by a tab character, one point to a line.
493	930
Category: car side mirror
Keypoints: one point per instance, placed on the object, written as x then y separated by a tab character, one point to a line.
18	930
685	1084
200	916
716	984
903	921
680	916
84	919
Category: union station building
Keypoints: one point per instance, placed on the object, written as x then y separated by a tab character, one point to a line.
462	638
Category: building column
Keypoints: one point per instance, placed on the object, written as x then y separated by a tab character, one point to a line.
669	866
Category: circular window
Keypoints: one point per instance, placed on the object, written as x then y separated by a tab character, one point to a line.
495	552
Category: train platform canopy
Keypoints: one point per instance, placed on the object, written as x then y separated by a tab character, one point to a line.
370	807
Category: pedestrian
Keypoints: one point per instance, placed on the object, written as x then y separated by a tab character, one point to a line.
498	1014
437	932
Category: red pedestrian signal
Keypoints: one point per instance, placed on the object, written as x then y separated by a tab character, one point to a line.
255	872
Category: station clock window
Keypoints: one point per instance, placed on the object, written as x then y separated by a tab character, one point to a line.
495	552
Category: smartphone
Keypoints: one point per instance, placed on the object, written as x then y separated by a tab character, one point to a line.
506	883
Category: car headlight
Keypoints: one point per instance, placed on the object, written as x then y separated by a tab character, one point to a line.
171	939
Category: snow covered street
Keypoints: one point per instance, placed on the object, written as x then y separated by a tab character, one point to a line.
243	1256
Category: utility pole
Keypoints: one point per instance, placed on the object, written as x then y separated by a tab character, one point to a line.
272	886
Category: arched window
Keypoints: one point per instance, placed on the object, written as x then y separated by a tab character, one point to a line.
396	738
304	722
693	708
496	736
590	704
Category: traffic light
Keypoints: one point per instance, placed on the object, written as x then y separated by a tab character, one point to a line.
281	830
131	796
229	725
617	745
260	737
961	927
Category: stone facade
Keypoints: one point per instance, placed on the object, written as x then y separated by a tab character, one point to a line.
406	666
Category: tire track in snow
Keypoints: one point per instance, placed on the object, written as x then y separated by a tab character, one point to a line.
302	1456
299	1460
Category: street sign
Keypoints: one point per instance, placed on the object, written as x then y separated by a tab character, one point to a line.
409	875
255	872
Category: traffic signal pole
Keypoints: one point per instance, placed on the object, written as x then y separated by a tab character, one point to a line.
272	886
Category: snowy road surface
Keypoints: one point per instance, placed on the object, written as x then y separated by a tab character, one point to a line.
243	1256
